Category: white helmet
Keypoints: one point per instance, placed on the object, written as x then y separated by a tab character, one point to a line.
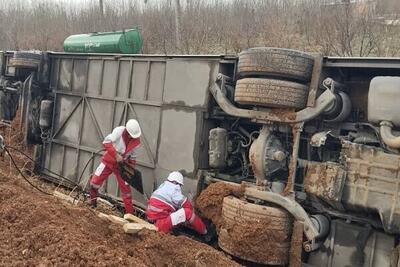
175	177
133	128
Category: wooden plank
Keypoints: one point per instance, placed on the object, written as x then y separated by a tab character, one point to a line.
65	197
117	220
112	218
103	216
135	219
132	228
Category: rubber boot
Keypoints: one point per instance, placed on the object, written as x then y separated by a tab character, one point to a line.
93	197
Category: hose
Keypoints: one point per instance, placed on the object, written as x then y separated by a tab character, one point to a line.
31	159
387	135
23	175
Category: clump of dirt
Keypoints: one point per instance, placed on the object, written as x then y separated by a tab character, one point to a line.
258	241
36	229
209	202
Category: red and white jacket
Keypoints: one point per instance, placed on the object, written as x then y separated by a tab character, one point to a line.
167	199
119	141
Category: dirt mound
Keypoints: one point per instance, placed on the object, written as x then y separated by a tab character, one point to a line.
209	202
40	230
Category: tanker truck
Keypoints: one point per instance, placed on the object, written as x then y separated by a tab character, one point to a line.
314	138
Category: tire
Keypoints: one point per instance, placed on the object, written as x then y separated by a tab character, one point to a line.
255	233
275	62
29	60
271	93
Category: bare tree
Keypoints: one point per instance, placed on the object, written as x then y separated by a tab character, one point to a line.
101	10
178	27
210	26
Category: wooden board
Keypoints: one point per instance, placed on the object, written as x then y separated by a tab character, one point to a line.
103	216
112	218
135	219
117	220
132	228
65	197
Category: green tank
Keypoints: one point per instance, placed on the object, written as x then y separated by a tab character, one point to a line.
124	42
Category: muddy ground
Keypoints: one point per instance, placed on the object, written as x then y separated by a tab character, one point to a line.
40	230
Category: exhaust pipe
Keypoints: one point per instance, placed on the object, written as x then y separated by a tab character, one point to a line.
387	135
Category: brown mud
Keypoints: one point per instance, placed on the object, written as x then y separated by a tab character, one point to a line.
209	202
41	230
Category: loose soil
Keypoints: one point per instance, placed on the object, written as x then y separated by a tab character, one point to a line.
209	202
41	230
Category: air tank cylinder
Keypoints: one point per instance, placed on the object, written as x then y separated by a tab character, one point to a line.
125	42
217	152
46	114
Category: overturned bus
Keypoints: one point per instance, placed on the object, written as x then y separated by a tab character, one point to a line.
313	138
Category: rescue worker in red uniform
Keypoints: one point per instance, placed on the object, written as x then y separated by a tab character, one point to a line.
121	146
168	207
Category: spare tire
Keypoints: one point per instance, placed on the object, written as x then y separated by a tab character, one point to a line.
26	59
271	93
275	62
255	233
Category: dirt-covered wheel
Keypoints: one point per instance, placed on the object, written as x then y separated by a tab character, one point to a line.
25	59
271	93
275	62
255	233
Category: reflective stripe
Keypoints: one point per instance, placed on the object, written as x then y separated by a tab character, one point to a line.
192	218
152	208
95	186
162	199
100	169
178	217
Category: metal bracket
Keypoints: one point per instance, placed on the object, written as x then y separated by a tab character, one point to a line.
323	102
315	78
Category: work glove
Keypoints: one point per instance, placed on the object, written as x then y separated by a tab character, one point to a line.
119	158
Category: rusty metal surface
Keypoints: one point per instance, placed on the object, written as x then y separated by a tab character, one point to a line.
315	79
373	183
368	180
296	132
267	156
325	180
296	245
